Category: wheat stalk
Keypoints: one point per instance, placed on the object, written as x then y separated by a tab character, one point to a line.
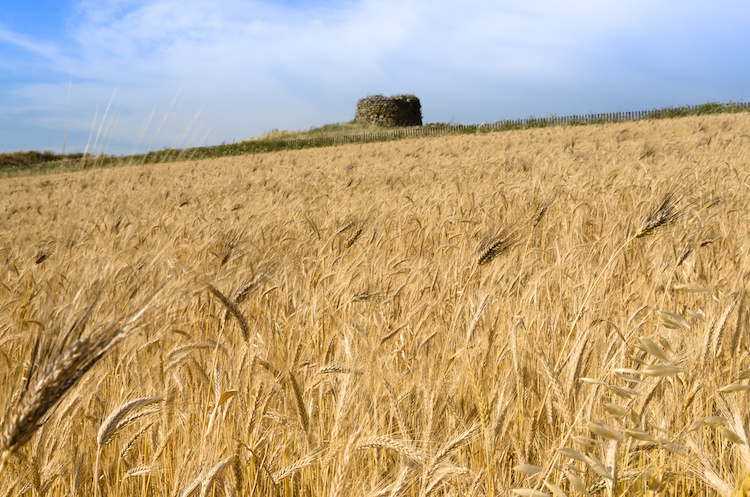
489	249
667	212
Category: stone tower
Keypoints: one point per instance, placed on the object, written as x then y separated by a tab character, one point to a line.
400	110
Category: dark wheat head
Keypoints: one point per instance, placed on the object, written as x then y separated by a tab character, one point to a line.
495	245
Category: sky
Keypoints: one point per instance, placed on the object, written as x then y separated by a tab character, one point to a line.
128	76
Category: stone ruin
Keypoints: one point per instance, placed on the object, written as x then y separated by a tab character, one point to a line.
400	110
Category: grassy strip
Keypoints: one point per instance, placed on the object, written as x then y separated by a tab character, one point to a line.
33	162
33	158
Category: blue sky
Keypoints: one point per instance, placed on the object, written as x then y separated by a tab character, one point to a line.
134	75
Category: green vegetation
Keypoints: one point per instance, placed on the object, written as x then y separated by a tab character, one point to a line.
32	162
327	130
699	110
23	160
400	95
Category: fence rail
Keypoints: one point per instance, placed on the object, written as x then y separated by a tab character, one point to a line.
510	124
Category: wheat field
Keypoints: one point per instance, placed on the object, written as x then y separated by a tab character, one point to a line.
557	311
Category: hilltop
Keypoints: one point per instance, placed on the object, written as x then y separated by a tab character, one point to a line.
32	162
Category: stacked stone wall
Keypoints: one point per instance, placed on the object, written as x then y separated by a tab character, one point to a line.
390	111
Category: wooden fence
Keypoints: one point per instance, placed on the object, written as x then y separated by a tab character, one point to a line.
509	124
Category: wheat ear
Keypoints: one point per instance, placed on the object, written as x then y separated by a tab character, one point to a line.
63	364
233	309
301	463
210	478
381	441
114	423
443	454
489	249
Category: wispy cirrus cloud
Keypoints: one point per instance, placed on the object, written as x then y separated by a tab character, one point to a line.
28	44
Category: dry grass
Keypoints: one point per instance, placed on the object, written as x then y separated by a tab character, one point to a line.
466	315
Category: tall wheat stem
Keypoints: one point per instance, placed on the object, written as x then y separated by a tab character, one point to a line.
588	297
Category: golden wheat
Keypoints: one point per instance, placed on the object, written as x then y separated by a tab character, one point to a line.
385	337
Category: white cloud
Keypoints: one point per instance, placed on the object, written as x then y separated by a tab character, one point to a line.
254	65
176	39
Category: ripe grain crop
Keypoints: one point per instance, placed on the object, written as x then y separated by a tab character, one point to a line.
554	310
